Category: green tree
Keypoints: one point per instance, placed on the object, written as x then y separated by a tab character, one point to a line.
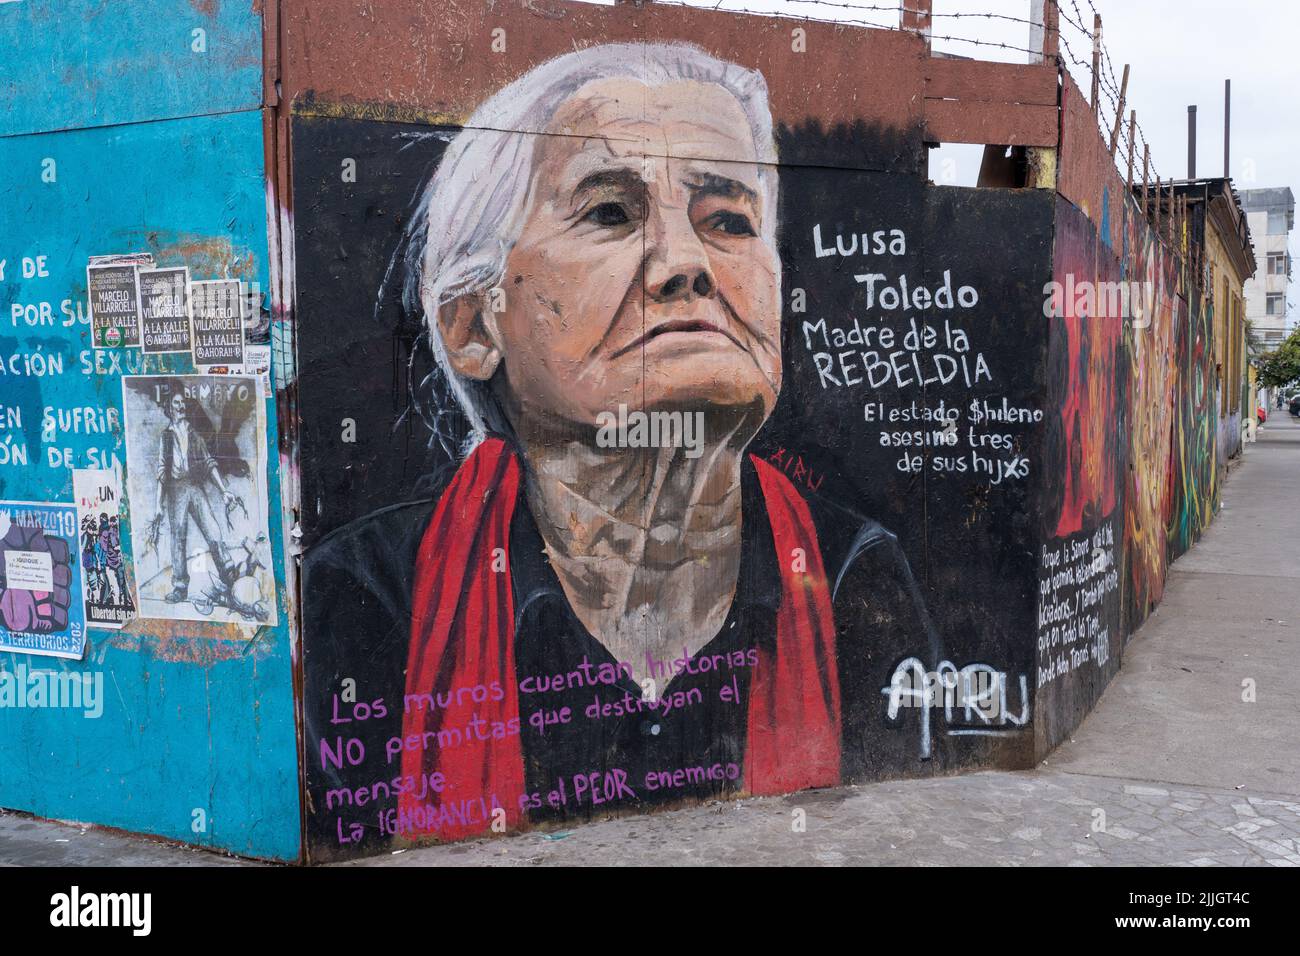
1281	366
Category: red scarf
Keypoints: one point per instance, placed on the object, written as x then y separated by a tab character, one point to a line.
463	639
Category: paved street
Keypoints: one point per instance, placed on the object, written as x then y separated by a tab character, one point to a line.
1172	764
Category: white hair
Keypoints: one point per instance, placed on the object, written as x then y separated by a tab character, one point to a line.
471	213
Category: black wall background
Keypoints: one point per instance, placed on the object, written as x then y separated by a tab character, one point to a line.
972	544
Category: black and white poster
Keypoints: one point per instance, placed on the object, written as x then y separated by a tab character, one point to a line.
113	294
218	310
196	479
165	310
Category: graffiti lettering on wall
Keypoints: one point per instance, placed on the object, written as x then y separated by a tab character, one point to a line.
974	699
196	464
1077	575
877	356
578	613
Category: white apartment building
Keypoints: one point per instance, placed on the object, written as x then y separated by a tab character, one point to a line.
1271	215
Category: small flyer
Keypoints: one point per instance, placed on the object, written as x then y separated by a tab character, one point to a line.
41	609
218	310
113	294
257	361
165	310
107	581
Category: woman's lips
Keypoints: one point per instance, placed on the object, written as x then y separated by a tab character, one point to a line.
697	326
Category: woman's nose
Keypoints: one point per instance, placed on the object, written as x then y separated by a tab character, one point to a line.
701	285
676	263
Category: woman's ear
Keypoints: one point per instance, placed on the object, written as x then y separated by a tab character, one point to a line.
470	337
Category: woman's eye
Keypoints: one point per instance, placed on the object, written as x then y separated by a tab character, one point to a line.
732	223
608	214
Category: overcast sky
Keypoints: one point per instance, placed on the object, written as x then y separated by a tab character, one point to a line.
1180	53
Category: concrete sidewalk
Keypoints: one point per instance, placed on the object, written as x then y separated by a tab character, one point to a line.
1181	769
1231	614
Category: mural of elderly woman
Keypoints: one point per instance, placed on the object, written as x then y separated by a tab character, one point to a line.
677	621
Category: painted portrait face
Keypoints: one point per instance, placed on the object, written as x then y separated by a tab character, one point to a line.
639	277
178	407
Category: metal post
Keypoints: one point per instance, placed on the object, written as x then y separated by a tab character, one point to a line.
1227	125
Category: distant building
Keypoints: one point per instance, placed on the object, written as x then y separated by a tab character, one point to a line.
1271	214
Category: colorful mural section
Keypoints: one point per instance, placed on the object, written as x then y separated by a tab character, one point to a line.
1196	471
1152	416
1079	637
1169	440
669	473
1134	439
633	422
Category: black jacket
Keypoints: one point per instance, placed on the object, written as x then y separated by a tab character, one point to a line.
356	596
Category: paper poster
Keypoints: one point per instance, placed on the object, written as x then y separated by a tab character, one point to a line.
41	609
257	361
113	295
165	310
197	478
107	581
218	309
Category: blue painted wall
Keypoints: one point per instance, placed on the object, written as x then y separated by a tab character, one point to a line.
158	149
66	64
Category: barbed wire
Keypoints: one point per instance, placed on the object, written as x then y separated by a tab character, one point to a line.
867	8
1076	23
1109	86
1087	68
1115	87
900	8
1108	106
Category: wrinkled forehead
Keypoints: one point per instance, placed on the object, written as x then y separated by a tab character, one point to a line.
624	119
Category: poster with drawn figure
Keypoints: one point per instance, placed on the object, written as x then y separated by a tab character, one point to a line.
41	608
165	310
107	581
196	479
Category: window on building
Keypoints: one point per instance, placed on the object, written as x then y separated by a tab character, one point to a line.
1275	304
1277	264
1277	224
